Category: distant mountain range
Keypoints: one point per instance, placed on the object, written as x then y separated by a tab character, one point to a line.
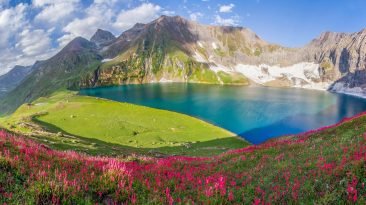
173	49
13	78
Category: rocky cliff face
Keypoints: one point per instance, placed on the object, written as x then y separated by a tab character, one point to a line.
344	52
102	38
175	49
157	52
343	57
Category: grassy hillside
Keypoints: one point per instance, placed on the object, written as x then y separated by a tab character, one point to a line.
97	126
62	71
322	167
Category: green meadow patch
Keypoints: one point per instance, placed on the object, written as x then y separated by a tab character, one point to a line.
97	126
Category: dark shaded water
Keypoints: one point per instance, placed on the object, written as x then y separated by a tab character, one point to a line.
255	113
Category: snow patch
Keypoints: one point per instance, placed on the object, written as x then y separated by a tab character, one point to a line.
199	58
342	88
218	67
106	60
200	44
264	73
300	75
164	80
214	46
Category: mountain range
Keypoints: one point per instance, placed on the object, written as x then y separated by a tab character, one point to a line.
173	49
12	79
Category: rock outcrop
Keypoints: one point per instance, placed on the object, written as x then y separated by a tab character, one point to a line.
173	49
102	38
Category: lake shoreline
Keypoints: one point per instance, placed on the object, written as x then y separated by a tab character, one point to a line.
256	113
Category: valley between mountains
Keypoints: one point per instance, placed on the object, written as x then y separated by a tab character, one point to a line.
173	49
59	147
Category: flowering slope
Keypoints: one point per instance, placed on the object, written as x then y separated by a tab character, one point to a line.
324	167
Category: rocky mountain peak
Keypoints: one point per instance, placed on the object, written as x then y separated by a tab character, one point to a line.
13	78
170	18
173	48
138	26
19	70
78	44
328	37
19	67
102	37
170	21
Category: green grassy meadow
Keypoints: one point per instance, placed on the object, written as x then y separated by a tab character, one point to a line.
103	127
321	167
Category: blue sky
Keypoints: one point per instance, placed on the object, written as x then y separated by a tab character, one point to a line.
36	29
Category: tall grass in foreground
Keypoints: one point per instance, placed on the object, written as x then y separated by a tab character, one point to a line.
322	167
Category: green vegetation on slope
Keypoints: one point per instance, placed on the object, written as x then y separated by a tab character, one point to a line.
98	126
233	78
62	71
158	53
322	167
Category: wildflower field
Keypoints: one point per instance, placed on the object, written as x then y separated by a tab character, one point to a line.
326	166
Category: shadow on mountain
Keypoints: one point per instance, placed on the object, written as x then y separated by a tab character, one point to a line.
351	80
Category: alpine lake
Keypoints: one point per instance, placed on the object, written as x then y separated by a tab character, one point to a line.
254	113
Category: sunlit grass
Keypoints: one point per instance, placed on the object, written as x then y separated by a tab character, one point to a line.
106	127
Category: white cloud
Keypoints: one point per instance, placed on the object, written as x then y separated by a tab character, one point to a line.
20	42
109	2
28	32
141	14
65	39
33	42
226	8
225	21
57	10
83	27
195	16
41	3
168	13
100	14
11	20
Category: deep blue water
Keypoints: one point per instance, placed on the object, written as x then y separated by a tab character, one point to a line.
255	113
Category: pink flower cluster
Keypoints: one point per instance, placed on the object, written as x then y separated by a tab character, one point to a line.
280	171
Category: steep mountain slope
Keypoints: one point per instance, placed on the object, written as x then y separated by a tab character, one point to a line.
102	38
159	51
173	49
62	71
13	78
343	59
345	52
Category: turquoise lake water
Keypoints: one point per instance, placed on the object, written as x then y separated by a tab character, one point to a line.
255	113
